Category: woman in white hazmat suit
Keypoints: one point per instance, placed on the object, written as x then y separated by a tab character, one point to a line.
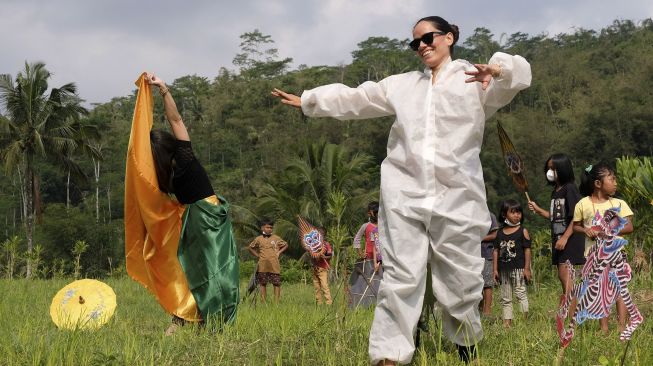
433	206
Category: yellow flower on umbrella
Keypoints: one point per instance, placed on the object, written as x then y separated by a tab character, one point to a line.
83	304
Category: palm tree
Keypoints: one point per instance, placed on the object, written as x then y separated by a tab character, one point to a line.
325	184
87	141
36	125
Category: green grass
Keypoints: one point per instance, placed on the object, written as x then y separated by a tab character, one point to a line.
295	332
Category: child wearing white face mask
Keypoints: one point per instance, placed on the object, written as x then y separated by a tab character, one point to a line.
565	244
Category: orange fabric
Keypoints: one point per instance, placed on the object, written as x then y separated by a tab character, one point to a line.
153	220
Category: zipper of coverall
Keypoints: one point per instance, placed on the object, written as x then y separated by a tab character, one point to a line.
429	144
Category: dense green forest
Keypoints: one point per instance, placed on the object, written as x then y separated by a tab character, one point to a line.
591	97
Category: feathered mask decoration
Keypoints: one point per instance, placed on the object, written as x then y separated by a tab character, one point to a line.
513	161
310	237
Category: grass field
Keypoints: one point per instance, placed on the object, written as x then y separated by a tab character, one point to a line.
294	332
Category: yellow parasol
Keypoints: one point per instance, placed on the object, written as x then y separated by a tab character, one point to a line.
83	304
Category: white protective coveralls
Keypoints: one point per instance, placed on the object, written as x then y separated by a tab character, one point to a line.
433	205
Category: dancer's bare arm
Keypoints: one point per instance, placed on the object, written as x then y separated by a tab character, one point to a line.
172	114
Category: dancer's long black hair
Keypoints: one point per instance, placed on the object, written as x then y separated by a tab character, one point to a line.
163	151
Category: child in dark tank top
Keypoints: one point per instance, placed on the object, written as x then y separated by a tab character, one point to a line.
512	259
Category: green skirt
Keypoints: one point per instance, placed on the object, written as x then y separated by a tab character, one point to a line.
208	255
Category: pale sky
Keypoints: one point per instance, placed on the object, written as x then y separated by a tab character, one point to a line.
104	45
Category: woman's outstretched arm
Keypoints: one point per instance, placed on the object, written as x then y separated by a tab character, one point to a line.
172	114
502	78
368	100
287	98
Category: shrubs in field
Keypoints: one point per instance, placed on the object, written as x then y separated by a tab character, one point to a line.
635	176
70	243
292	270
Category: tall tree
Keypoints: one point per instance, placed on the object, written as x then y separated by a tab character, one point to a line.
37	125
87	142
311	182
258	58
190	93
379	57
481	45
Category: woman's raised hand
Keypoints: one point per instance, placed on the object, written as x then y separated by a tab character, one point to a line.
153	80
287	98
483	74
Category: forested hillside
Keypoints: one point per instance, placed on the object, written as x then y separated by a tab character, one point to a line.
591	97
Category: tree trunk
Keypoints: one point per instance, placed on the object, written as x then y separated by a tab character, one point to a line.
23	196
68	191
37	206
109	201
29	214
242	169
96	171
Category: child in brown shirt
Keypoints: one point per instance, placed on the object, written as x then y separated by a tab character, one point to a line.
267	247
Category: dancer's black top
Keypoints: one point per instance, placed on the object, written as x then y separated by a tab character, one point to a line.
190	181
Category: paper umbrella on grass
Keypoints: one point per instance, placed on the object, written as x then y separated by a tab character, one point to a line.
83	304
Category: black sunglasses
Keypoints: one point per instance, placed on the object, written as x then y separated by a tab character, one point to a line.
427	38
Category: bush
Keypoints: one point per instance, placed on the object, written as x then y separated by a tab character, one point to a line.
541	256
246	269
61	228
636	186
295	271
292	270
